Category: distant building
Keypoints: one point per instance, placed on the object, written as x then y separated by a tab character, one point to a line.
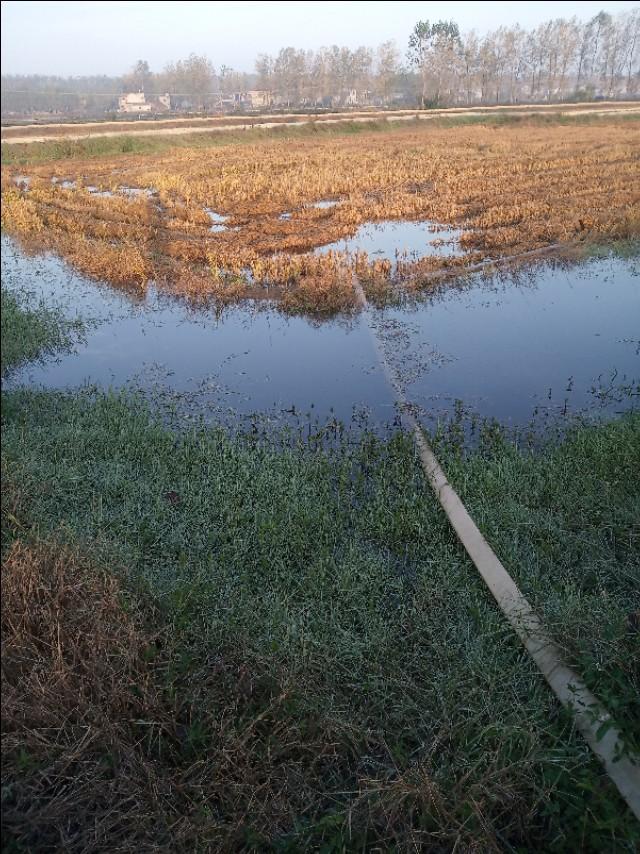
136	102
254	99
260	98
133	102
355	97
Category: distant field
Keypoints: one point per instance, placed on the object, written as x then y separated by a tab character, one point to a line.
16	134
248	219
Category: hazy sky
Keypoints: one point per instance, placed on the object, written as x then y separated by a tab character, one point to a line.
73	38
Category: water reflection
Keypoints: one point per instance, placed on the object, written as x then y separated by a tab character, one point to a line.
217	219
391	240
560	340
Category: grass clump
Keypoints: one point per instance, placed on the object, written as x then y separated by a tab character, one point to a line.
30	333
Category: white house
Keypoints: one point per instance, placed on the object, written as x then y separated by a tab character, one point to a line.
136	102
254	98
133	102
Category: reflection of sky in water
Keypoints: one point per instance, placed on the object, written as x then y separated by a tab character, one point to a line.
503	349
387	240
323	204
217	219
508	349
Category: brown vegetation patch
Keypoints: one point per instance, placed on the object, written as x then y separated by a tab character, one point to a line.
116	737
509	190
112	739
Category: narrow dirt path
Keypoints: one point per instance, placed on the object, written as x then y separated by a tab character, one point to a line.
14	135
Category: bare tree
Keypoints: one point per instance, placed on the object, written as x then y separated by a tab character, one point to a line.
139	78
470	66
435	50
631	50
264	70
387	64
193	77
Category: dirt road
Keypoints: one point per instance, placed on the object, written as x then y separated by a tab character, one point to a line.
172	127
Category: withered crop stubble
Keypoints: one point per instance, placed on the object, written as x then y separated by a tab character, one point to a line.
510	189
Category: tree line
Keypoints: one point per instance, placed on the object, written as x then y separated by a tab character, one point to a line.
561	59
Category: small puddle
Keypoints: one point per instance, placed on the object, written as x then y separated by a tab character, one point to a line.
134	192
217	219
394	241
324	203
65	183
128	192
105	194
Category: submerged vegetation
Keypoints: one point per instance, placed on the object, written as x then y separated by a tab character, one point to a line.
209	643
129	220
28	333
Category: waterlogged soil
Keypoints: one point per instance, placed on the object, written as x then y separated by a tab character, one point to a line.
551	343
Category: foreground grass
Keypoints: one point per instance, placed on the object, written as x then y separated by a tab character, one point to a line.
297	655
565	523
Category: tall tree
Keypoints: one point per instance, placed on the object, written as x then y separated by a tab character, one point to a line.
435	50
193	78
631	29
264	70
139	78
387	68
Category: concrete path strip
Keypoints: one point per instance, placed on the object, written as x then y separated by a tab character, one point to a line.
591	718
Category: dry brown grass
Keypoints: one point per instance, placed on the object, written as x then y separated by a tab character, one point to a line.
111	741
510	190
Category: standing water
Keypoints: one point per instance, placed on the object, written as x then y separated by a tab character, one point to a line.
556	339
390	240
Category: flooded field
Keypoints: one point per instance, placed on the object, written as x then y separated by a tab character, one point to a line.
554	341
294	223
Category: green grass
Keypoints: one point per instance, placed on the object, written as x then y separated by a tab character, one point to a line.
41	152
338	570
565	523
30	333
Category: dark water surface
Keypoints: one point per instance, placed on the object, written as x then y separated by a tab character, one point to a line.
556	340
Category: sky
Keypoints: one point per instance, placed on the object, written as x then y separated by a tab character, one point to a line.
78	38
